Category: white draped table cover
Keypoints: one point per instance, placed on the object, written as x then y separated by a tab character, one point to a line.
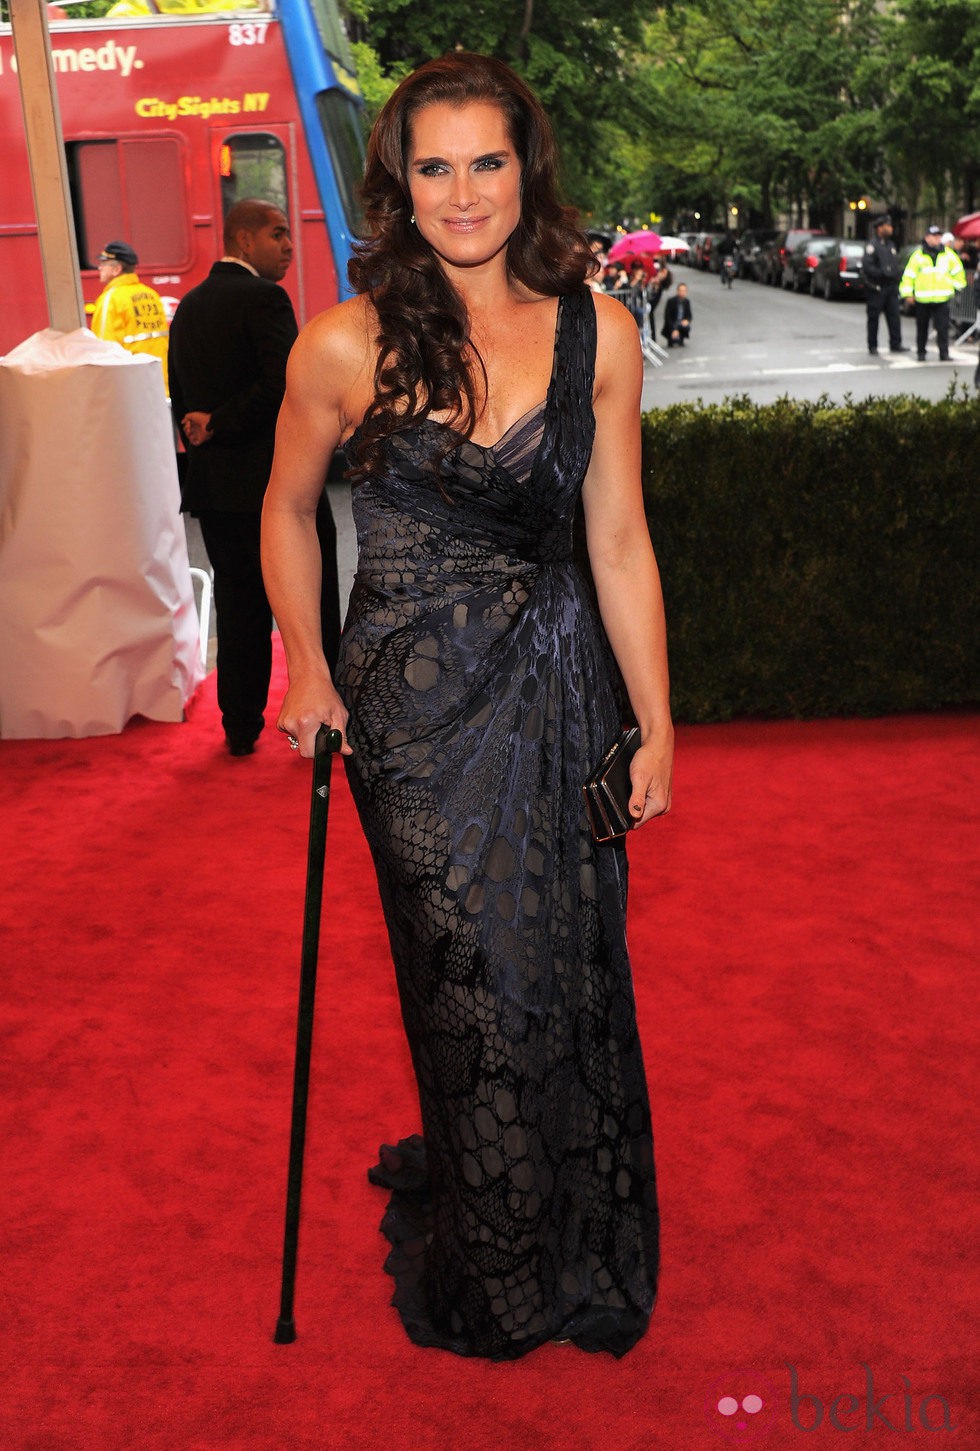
97	615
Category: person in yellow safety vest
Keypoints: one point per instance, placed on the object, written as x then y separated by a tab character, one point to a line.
932	274
127	310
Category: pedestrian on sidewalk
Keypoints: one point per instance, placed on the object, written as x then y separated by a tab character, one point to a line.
678	317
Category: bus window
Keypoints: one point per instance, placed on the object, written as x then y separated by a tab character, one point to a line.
341	123
333	36
131	189
255	167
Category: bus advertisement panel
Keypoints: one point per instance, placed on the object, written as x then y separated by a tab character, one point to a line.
170	119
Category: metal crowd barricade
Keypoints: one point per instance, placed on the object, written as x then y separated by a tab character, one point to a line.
637	299
963	309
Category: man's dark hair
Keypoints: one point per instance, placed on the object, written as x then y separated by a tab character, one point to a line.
248	215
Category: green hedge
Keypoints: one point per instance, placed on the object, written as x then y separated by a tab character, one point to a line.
817	560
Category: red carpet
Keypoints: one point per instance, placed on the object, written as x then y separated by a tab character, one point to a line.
806	976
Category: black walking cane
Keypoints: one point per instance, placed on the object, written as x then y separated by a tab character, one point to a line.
327	742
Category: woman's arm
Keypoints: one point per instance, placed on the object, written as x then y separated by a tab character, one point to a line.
623	565
325	364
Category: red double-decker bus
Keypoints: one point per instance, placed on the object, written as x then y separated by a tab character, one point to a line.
169	119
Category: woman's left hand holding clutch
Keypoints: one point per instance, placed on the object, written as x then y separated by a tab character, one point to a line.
651	772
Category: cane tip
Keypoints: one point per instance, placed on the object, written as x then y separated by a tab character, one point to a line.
285	1332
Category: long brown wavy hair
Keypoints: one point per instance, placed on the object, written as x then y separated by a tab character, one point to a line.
424	331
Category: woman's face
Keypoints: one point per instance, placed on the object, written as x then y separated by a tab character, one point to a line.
465	181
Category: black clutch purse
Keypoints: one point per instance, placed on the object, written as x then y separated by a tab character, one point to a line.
607	791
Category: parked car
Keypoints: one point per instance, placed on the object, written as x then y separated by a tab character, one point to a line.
839	272
694	256
750	248
801	262
773	256
687	258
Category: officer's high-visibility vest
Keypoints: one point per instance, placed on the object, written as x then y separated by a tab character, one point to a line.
932	276
129	312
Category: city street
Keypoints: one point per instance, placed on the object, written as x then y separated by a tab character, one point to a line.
770	344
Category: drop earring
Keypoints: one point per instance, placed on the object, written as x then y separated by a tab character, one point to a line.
412	219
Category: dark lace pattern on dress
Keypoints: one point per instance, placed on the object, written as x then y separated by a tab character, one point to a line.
481	693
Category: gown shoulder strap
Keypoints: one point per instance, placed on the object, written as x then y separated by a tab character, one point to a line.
576	347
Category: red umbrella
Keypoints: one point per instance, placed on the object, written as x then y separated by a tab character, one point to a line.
634	244
968	227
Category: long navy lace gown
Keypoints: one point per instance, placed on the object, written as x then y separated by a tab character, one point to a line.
480	688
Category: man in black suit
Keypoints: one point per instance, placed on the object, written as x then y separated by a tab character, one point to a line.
678	317
229	341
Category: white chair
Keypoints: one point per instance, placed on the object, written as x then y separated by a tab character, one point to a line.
203	580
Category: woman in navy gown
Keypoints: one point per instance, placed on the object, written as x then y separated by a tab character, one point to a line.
480	389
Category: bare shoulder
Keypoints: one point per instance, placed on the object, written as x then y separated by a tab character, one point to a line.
617	342
339	337
615	323
335	354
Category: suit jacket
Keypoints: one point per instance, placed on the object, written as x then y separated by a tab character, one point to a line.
676	310
229	341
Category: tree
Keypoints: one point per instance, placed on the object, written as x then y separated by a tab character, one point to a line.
750	103
928	76
572	52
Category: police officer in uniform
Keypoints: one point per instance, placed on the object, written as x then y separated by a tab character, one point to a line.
127	310
932	274
882	274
